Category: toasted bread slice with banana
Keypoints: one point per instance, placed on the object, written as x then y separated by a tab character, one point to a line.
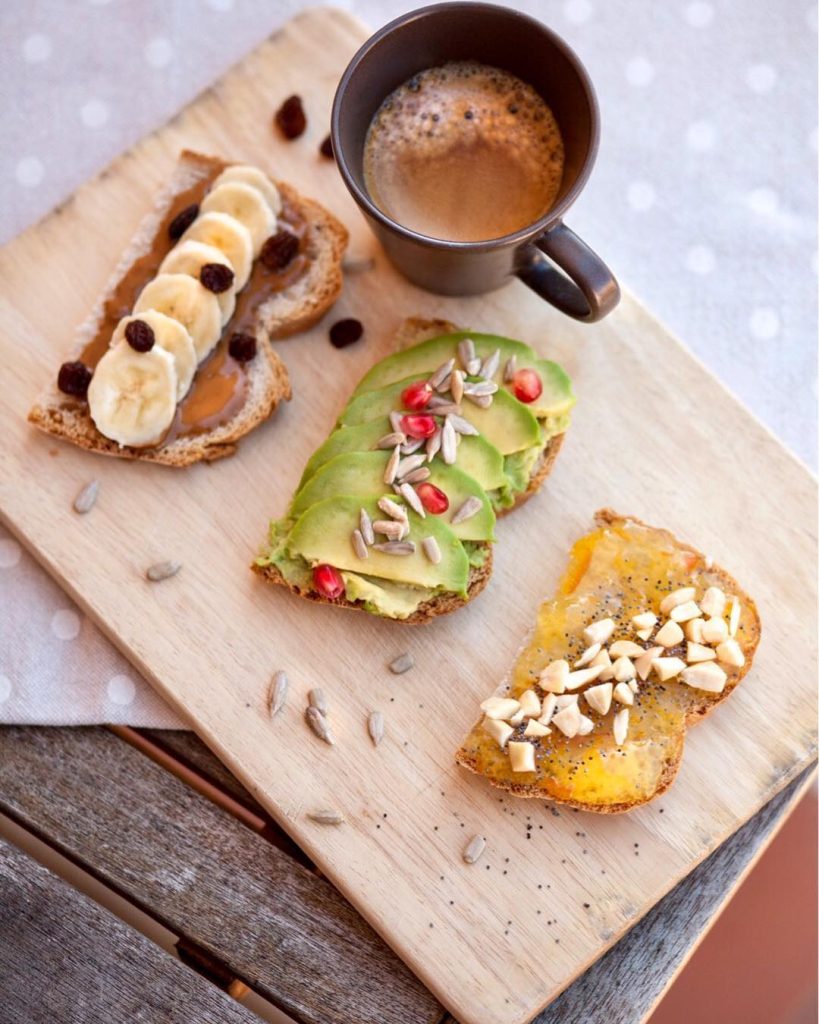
645	637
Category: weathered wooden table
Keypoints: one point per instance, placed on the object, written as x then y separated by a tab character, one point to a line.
156	818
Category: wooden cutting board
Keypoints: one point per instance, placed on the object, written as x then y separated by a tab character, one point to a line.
653	435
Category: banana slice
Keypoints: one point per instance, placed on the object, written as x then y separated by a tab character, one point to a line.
229	235
132	395
255	177
189	258
173	337
247	205
183	298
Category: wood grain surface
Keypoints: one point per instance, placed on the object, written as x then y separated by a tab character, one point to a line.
653	435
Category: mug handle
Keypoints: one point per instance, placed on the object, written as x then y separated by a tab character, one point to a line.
574	278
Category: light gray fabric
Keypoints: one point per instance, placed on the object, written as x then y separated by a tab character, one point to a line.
703	201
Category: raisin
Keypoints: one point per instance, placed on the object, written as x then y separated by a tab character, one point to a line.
140	336
182	221
326	148
74	378
279	250
242	346
216	277
345	332
290	118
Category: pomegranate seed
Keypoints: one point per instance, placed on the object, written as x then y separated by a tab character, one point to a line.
416	395
432	498
328	582
418	426
527	386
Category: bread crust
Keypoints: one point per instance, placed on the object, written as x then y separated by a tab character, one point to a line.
285	313
699	711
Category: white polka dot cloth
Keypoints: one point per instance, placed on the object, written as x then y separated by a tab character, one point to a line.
703	201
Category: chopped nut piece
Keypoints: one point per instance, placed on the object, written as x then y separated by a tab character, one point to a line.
667	668
624	669
517	718
568	720
603	661
500	707
625	649
733	621
598	632
530	704
554	677
645	661
644	634
498	730
620	727
583	676
705	676
670	635
713	602
730	653
565	700
698	652
522	757
633	685
645	620
693	630
535	728
599	697
548	709
585	727
623	695
473	849
714	631
676	597
588	656
686	611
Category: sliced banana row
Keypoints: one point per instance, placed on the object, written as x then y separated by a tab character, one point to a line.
133	394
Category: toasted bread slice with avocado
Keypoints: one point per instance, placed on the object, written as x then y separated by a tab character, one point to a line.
448	489
306	290
645	637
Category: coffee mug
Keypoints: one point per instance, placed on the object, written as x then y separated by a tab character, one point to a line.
547	255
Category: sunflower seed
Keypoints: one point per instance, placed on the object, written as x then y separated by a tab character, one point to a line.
318	723
375	727
456	385
392	529
392	465
317	700
448	443
395	418
446	408
480	387
403	663
443	371
365	525
326	817
277	694
417	476
443	387
466	351
359	545
490	365
462	426
433	445
473	849
431	549
357	265
510	369
392	509
410	496
410	447
408	464
87	497
396	547
162	571
473	367
471	507
482	401
391	440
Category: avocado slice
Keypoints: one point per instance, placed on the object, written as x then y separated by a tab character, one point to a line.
322	534
420	360
507	423
476	456
362	473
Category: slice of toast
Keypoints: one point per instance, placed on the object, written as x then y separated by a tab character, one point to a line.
294	309
593	772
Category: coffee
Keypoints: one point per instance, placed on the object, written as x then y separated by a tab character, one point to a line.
463	152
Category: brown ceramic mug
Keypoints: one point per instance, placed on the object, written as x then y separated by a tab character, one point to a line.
547	255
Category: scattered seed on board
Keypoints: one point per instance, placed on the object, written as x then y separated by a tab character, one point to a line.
317	700
462	426
365	525
392	465
375	727
87	497
473	849
431	549
357	265
326	817
392	508
418	476
456	385
403	663
471	507
396	547
162	571
359	545
410	496
277	694
318	723
466	351
490	365
391	440
441	374
510	369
